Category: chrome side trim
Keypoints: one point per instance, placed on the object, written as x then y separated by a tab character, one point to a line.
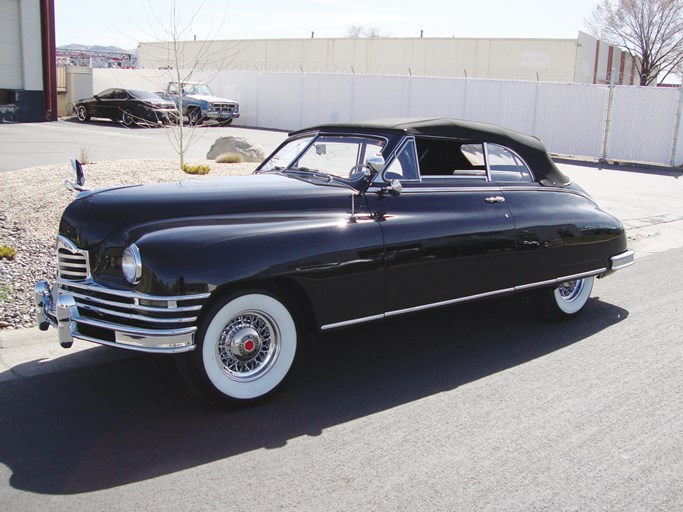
559	280
346	323
448	302
425	307
541	188
432	190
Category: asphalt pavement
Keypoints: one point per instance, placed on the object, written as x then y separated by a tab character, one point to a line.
28	145
479	408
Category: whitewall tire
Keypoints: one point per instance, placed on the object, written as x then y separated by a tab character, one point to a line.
246	345
567	300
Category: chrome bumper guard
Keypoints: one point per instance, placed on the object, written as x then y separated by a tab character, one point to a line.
90	312
623	260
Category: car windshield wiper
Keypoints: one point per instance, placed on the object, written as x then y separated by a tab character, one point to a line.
305	173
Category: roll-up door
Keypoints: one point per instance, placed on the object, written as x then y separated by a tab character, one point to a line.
10	46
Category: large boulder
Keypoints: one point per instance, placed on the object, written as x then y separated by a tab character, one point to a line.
251	151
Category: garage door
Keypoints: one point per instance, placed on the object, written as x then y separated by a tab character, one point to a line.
10	46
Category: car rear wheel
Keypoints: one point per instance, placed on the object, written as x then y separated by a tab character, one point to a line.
567	300
246	345
127	118
82	113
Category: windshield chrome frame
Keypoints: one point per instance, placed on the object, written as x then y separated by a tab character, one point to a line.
314	137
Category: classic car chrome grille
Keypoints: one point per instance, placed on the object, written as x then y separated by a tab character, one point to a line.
72	263
225	107
106	307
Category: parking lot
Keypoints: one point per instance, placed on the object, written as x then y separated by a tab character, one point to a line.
32	145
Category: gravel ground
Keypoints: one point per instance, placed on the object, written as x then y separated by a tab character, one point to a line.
31	203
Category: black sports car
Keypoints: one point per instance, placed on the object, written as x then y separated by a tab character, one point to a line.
343	224
128	106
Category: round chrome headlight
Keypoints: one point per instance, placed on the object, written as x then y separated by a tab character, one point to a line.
131	264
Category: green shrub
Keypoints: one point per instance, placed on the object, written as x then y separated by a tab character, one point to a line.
7	293
229	158
7	253
196	169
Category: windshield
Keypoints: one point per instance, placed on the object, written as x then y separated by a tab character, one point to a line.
337	155
200	89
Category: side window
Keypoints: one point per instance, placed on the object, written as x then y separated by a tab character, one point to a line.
107	94
505	165
404	166
451	158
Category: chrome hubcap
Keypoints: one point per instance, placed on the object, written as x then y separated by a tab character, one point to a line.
248	346
569	290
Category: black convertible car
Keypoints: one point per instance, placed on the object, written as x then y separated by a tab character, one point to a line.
128	106
343	224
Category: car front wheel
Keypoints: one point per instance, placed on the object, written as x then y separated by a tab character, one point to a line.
82	113
246	345
567	300
194	117
127	118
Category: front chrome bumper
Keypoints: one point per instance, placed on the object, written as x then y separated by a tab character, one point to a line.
59	308
220	116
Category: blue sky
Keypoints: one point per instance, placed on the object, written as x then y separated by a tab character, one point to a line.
125	23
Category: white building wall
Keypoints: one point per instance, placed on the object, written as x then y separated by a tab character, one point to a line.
31	45
11	73
569	118
519	59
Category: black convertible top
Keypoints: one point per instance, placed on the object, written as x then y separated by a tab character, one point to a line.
530	148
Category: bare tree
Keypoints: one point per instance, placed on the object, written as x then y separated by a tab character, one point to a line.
357	31
174	35
650	30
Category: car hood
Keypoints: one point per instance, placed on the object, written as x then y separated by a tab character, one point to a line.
94	215
210	99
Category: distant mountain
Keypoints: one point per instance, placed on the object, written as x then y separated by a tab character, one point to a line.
94	48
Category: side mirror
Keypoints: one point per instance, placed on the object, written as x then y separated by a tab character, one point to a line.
375	163
96	97
395	188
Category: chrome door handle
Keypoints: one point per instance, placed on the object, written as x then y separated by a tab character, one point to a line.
495	199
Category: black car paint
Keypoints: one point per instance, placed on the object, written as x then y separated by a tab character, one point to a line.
432	244
112	103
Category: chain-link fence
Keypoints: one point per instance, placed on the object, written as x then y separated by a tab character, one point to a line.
623	123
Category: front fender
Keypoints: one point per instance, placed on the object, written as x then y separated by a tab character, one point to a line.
327	256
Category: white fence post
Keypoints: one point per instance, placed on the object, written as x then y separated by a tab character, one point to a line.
677	130
608	120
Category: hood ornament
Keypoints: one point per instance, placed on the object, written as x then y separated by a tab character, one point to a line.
78	185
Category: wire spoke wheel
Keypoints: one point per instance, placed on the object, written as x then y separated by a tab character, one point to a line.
246	345
567	300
